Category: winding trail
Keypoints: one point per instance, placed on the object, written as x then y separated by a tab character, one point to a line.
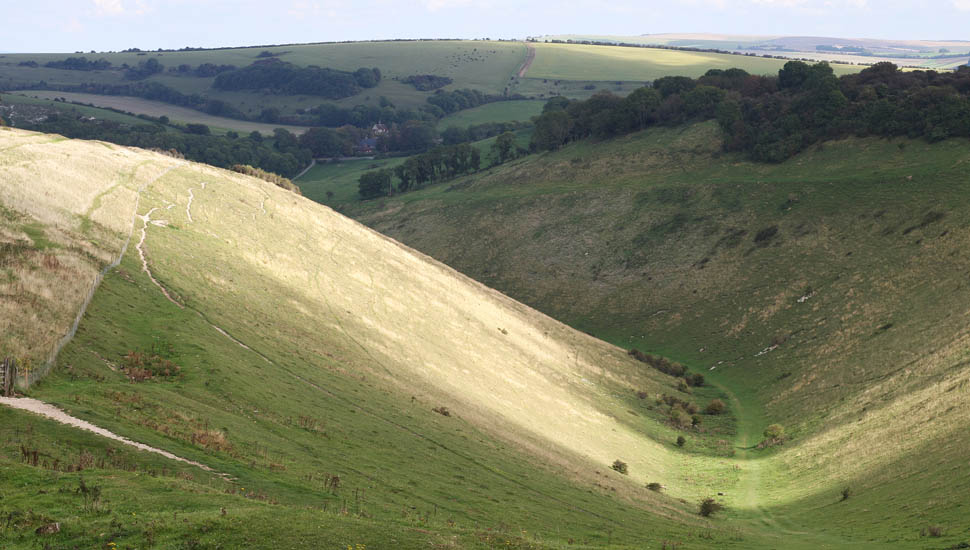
146	219
53	413
188	206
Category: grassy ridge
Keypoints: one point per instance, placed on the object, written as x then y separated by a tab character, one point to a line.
824	292
333	369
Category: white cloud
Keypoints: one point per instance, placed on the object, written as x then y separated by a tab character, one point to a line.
962	5
109	7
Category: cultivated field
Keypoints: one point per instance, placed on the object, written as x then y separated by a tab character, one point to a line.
616	63
183	115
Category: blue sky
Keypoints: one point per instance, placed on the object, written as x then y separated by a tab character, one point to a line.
72	25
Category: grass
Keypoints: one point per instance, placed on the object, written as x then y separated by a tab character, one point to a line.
139	106
502	111
480	65
616	63
842	322
350	344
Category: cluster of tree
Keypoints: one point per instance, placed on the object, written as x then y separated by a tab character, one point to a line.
665	366
843	49
438	164
454	135
773	118
427	82
280	154
413	136
144	70
457	100
78	64
362	116
203	70
285	78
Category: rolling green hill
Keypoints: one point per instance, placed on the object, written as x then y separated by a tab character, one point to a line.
826	293
343	389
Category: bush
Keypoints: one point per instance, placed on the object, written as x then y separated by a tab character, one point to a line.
716	406
443	411
774	431
695	380
681	440
934	531
709	506
654	486
641	394
846	493
277	179
620	466
683	386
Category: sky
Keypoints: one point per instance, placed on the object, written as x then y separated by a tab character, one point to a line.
111	25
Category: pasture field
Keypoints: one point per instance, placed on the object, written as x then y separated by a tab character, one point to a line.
825	293
175	113
501	111
616	63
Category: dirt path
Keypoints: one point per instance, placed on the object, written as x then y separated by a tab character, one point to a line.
313	162
530	56
146	219
53	413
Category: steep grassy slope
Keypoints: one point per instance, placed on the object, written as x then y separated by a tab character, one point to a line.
828	293
310	348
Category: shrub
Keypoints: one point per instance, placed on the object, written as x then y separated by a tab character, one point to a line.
654	486
443	411
716	406
774	435
679	417
620	466
934	531
695	420
277	179
683	386
681	440
709	506
846	493
641	394
696	380
774	431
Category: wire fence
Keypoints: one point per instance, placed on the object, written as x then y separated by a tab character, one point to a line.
28	374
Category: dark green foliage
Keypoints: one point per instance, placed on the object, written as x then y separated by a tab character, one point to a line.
504	148
716	406
654	486
144	70
709	506
694	380
374	184
846	493
681	440
198	129
457	100
620	466
79	64
773	118
427	82
198	145
280	77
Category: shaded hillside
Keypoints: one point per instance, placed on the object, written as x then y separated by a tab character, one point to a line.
827	292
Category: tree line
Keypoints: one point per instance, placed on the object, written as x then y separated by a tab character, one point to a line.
771	118
440	164
280	77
